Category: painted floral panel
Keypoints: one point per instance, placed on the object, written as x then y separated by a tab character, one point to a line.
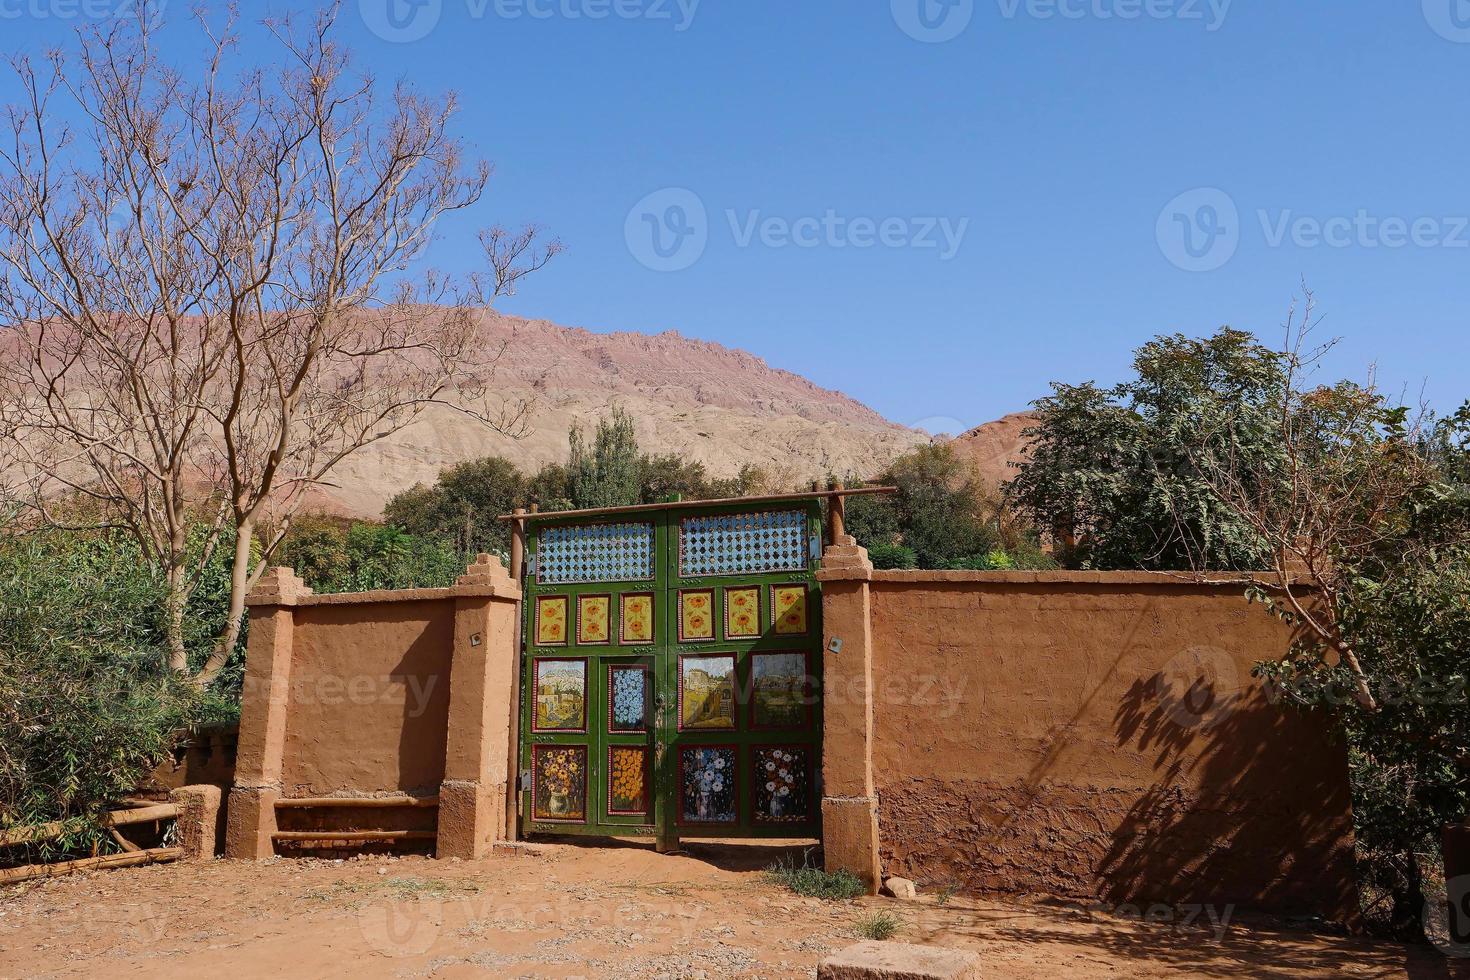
627	699
592	618
551	620
707	692
637	619
742	613
561	696
627	787
788	609
778	688
782	784
697	615
560	782
707	784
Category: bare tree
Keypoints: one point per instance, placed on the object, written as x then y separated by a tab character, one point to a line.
1330	498
208	292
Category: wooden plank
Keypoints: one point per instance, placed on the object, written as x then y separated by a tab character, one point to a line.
142	814
126	844
777	498
117	818
318	835
312	802
126	859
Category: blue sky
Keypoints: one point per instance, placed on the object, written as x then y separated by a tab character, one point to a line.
940	209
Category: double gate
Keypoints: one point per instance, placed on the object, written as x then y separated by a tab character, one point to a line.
671	674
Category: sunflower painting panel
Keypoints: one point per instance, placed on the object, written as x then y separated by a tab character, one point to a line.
742	614
593	612
636	622
789	609
551	620
696	615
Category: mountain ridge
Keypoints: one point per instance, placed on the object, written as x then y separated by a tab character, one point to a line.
723	406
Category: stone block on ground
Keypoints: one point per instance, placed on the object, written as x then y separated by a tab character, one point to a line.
199	808
899	961
900	888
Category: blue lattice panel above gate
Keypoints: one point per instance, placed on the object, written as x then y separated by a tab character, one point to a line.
743	544
595	553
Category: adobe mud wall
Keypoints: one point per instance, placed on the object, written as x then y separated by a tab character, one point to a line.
369	698
372	695
1089	735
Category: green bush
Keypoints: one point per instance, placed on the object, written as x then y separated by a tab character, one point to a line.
337	555
884	555
992	561
87	703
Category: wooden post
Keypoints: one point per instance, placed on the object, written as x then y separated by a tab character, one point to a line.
513	762
836	515
518	547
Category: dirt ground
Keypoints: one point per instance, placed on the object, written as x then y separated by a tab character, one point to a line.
562	910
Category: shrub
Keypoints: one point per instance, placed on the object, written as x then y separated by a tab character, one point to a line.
335	555
884	555
814	882
991	561
879	925
88	705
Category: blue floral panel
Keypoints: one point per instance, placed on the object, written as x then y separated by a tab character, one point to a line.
743	544
707	784
595	553
627	699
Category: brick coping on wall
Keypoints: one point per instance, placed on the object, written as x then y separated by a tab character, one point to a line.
1169	579
368	598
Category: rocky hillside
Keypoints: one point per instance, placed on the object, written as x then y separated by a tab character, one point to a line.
723	407
992	447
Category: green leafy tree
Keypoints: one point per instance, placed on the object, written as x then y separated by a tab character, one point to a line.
1365	514
1119	476
1354	520
943	516
606	473
670	476
462	505
551	488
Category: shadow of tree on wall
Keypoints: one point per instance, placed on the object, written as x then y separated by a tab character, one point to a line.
1250	806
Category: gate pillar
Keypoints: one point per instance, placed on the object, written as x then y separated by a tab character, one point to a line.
482	690
849	801
251	817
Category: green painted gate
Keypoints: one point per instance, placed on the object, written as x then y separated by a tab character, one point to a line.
670	683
